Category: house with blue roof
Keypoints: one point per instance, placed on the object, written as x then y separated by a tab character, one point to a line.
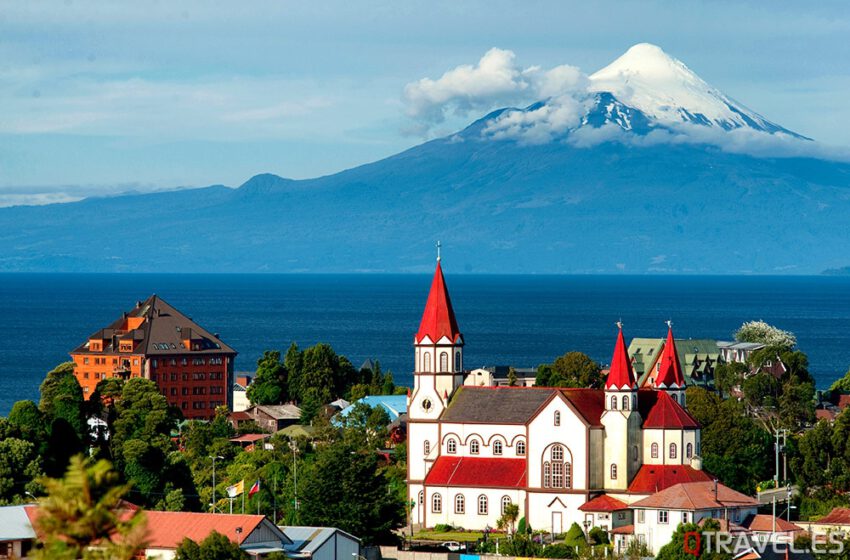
395	405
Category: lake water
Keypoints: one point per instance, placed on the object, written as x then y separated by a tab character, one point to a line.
517	320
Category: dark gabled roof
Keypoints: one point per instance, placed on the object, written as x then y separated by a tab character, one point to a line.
496	405
162	332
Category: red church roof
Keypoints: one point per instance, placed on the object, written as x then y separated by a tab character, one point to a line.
438	320
603	502
621	375
654	478
477	472
670	370
659	410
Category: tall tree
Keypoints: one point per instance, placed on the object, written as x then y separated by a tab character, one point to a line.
83	516
215	547
270	382
573	369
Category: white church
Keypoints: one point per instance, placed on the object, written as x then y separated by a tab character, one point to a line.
587	456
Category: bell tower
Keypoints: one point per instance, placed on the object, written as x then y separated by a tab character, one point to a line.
669	377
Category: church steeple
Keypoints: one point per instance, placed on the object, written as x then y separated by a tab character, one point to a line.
438	319
669	369
621	376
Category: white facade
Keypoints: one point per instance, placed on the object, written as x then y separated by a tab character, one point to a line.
655	527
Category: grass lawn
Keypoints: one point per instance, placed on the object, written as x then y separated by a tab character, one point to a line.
459	536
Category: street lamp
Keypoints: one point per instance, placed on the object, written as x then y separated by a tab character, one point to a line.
31	495
294	447
214	457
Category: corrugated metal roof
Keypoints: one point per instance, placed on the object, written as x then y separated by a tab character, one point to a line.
15	524
310	539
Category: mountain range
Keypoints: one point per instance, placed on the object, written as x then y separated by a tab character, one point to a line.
647	169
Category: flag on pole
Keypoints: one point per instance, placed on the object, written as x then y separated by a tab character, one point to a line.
254	489
236	489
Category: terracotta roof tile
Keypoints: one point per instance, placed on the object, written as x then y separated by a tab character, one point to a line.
838	516
603	502
624	530
696	496
477	472
765	524
654	478
167	529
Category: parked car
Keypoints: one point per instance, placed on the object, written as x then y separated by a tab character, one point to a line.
452	546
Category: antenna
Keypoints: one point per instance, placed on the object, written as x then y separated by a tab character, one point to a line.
439	246
619	324
669	323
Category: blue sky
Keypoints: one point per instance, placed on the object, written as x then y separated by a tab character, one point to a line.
102	97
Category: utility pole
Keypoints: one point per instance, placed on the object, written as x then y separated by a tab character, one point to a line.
294	447
214	457
776	472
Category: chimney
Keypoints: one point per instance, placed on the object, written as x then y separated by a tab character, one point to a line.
239	530
138	304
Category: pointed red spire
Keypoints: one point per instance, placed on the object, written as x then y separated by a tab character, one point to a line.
670	370
438	320
621	375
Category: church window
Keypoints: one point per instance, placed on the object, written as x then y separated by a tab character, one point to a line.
497	447
557	417
557	475
444	361
482	505
451	446
557	453
426	362
675	397
672	450
506	501
436	503
547	475
427	447
460	504
689	450
613	471
520	448
457	361
421	497
654	451
625	402
614	403
473	447
568	475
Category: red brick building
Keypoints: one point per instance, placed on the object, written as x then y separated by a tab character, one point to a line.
192	367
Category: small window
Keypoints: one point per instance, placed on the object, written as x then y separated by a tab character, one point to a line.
436	503
460	504
568	475
557	453
654	451
684	517
451	446
482	505
427	447
640	515
672	450
426	362
689	450
457	361
557	417
613	471
547	475
625	402
520	448
663	516
473	447
506	501
497	447
614	403
421	497
635	453
444	361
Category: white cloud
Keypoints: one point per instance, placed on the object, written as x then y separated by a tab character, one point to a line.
496	80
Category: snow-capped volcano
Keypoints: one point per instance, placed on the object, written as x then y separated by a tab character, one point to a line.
663	88
644	89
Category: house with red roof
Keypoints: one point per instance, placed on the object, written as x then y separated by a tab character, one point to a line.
562	455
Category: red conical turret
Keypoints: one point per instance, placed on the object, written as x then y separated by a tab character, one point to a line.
669	369
621	375
438	320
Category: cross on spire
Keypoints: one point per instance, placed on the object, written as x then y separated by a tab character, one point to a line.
439	246
619	324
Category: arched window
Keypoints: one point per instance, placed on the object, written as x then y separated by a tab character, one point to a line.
672	450
568	475
557	453
451	446
436	503
520	447
426	447
460	504
675	397
654	451
426	362
473	447
482	505
457	361
557	417
689	450
556	468
547	475
506	501
614	403
613	471
497	447
421	497
444	361
625	402
557	475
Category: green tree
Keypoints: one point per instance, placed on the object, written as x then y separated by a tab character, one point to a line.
293	361
62	398
842	385
761	390
508	519
20	468
573	369
215	547
83	516
270	382
30	422
685	545
512	378
346	487
763	333
729	376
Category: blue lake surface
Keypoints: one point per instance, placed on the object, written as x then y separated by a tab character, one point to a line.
517	320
